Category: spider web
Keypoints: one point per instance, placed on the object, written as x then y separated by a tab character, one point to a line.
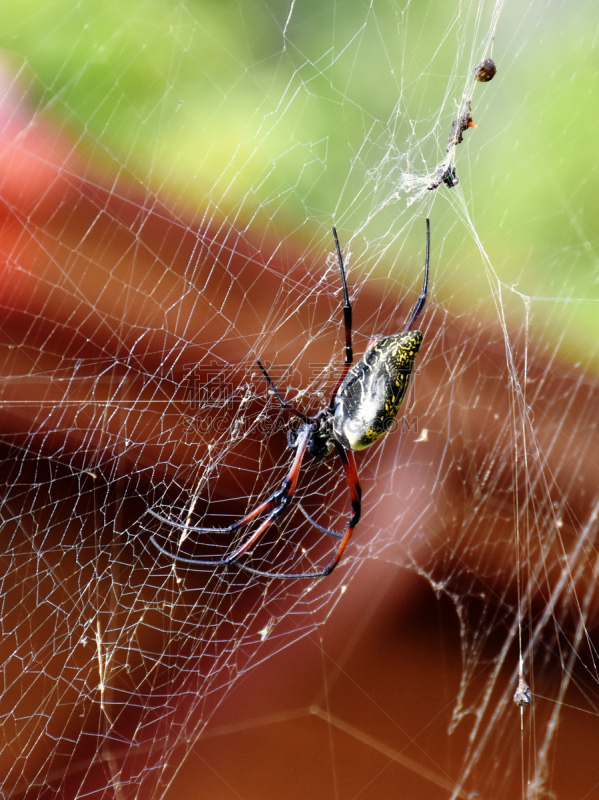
170	178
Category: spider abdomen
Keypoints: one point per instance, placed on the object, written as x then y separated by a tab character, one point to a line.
372	392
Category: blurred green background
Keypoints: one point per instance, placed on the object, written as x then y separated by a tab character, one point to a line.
294	115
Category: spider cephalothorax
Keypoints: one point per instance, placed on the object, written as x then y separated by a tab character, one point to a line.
319	431
363	406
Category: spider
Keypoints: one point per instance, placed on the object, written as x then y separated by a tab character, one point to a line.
364	403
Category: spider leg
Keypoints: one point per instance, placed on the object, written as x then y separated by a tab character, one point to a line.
197	529
317	525
347	320
423	294
175	523
347	312
284	403
281	499
355	491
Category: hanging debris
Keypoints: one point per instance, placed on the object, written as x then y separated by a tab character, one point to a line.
485	71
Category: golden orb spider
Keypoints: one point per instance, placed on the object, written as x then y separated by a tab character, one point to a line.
364	403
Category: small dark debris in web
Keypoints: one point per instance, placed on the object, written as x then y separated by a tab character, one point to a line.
460	125
446	172
485	71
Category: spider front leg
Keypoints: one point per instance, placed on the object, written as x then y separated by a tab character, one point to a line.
355	492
